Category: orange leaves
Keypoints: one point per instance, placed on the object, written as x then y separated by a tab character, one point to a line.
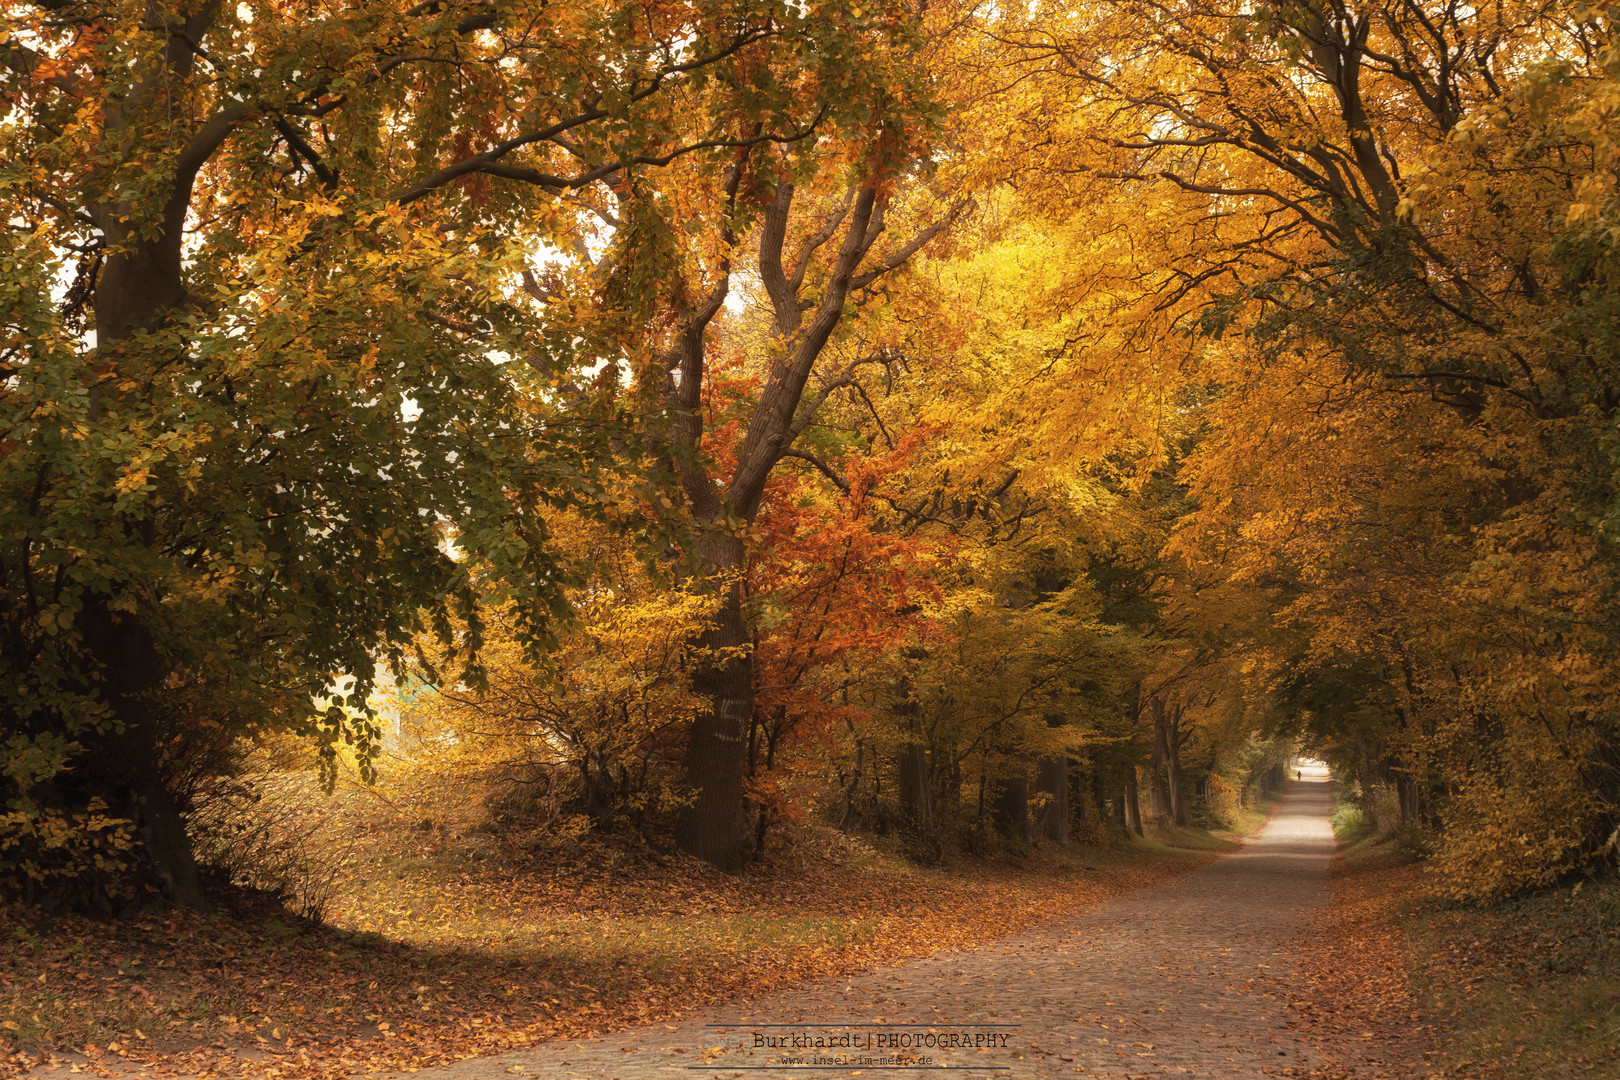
837	591
576	941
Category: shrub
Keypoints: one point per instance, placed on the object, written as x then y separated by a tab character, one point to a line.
1520	824
260	832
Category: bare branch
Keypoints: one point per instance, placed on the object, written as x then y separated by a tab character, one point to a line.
899	257
807	413
816	240
821	465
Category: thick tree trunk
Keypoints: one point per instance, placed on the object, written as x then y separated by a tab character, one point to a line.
1133	804
1087	804
1052	780
126	768
915	802
164	832
140	286
715	826
1172	766
1010	809
1159	789
1406	799
854	785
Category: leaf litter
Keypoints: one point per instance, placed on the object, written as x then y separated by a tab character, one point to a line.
440	944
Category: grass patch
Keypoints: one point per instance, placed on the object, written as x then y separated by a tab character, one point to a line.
1348	824
1358	836
1249	820
1180	840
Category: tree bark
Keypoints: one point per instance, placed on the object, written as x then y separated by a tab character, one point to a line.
1010	809
854	785
1172	765
715	825
1087	804
126	767
916	803
1159	789
1133	805
1052	780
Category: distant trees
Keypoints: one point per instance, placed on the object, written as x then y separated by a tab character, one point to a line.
1383	237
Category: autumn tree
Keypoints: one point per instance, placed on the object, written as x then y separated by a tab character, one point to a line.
266	267
839	216
1005	690
1372	234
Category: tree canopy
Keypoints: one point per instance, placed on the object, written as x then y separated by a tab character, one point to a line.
940	418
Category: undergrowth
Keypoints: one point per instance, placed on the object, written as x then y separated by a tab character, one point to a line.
1530	987
443	940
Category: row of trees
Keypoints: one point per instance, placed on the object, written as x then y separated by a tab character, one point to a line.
1385	236
927	415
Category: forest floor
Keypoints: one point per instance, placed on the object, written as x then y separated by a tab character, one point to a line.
465	954
1525	989
442	942
1198	978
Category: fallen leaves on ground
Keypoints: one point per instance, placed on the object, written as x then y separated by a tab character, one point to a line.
1413	986
1353	998
1528	986
480	955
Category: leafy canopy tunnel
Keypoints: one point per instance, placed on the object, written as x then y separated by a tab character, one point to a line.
986	424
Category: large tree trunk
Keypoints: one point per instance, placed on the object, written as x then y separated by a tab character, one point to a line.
916	803
1087	804
125	769
1172	766
715	826
167	842
1406	798
140	287
1052	780
1159	789
1010	809
1133	804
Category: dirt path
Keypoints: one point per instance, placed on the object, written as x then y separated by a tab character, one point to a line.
1182	980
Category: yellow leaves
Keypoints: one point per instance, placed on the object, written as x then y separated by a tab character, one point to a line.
1591	196
133	480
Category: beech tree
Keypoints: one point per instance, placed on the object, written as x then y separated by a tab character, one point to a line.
840	249
296	251
1374	246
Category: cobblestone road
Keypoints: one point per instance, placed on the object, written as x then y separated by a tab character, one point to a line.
1176	981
